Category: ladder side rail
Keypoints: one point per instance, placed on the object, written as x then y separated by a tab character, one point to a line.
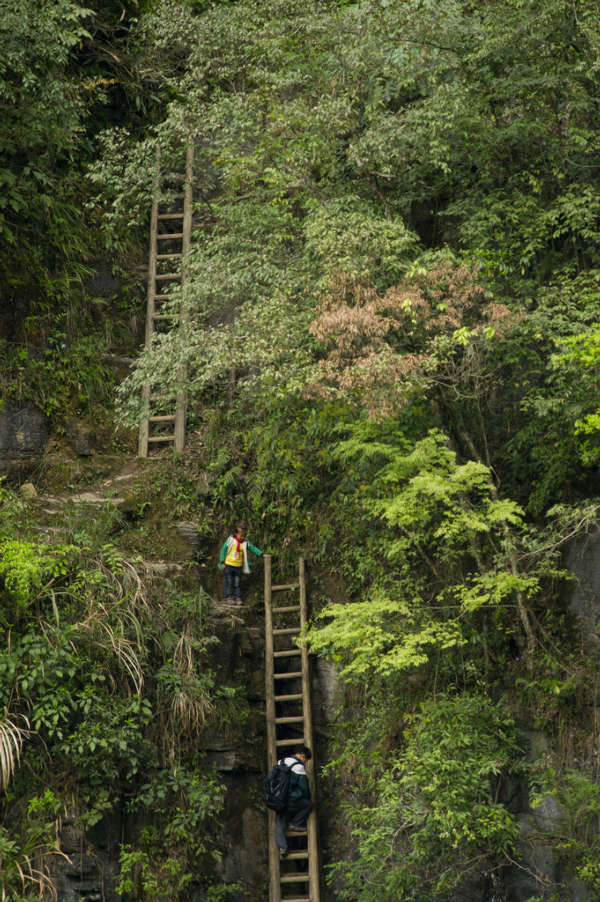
144	431
313	846
150	307
181	404
187	200
152	260
274	869
269	666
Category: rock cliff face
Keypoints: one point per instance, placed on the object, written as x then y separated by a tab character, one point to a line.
583	559
23	438
91	863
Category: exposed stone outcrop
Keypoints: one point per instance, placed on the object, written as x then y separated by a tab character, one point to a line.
81	438
88	866
583	560
190	534
23	436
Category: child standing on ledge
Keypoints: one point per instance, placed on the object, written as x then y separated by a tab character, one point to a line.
233	561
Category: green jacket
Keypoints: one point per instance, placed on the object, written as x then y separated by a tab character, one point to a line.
299	788
246	546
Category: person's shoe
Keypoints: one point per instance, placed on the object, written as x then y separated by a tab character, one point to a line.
283	852
230	600
238	602
292	829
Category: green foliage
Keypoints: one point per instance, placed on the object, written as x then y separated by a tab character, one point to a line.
573	831
434	809
68	69
397	218
168	856
42	111
107	742
13	513
293	470
380	634
330	151
104	684
30	570
21	876
274	160
345	234
448	539
63	380
435	501
580	356
123	203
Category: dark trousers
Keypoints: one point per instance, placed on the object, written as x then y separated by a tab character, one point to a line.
298	811
233	579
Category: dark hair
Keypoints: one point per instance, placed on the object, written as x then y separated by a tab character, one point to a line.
303	750
241	526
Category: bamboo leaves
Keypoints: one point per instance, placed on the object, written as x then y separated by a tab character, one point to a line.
11	743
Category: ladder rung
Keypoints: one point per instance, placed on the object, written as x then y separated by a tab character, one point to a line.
162	297
289	720
286	586
295	607
294	878
293	855
165	236
288	653
170	216
287	676
296	899
297	741
296	697
166	316
162	398
169	256
286	632
161	277
162	419
161	438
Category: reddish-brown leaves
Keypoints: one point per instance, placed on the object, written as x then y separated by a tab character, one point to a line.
379	347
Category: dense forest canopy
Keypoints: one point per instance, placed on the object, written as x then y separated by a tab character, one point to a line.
392	350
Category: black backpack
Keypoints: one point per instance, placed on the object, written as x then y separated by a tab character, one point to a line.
277	786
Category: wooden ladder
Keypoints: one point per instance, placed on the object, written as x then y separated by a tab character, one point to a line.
289	724
163	418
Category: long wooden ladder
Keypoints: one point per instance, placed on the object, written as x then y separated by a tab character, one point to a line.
294	878
164	413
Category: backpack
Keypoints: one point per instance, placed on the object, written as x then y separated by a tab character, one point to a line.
277	786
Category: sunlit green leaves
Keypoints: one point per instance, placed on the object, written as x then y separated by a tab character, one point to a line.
433	809
381	635
28	569
444	520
